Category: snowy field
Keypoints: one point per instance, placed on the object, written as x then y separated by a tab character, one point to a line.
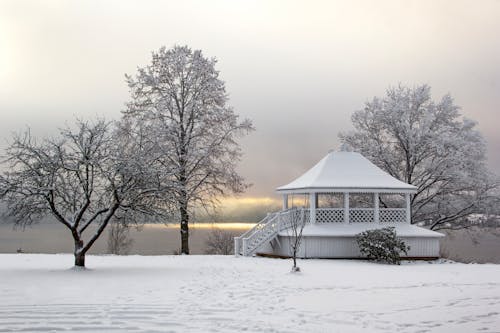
41	293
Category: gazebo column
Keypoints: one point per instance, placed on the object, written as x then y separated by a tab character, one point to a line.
346	207
312	208
408	208
376	210
285	201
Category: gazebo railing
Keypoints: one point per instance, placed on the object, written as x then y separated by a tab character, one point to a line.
392	215
361	215
329	215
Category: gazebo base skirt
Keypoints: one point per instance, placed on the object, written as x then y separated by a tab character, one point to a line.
345	247
267	255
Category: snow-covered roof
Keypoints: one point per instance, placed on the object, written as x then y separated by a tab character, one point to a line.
352	229
345	171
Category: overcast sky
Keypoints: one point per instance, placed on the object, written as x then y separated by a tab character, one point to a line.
298	69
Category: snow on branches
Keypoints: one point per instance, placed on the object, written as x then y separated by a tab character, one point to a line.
82	177
430	145
180	104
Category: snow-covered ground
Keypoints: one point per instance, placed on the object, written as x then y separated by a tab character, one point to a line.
228	294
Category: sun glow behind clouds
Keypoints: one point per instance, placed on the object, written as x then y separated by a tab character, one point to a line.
246	209
249	202
233	213
213	225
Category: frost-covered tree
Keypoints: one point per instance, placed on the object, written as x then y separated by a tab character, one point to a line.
181	103
83	177
430	145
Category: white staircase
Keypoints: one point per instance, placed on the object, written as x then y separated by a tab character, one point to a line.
267	230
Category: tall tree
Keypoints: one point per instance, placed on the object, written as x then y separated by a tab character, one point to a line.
181	102
82	178
430	145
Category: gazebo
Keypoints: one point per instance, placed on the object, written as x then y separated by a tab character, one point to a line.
342	195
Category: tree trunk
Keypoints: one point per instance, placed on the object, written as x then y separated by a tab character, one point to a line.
80	260
184	229
79	255
183	199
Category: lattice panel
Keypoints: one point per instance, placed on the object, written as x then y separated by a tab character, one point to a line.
307	216
392	215
329	215
360	215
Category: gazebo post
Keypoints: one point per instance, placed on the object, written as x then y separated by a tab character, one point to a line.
408	208
312	207
376	210
346	207
285	201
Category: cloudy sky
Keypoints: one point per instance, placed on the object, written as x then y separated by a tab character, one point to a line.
298	69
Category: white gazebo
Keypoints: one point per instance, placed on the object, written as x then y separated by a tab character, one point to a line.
342	195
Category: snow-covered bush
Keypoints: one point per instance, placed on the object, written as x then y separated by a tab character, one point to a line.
381	245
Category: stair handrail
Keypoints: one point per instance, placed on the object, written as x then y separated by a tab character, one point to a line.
261	222
273	223
238	244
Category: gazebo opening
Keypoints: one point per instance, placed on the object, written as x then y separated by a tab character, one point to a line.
361	200
329	208
389	200
330	200
298	201
362	208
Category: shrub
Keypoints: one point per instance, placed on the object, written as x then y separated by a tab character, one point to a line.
381	245
220	242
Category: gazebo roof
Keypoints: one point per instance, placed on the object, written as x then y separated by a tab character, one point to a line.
346	172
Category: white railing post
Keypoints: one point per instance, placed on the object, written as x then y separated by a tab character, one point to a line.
236	246
346	207
408	208
376	209
279	224
244	250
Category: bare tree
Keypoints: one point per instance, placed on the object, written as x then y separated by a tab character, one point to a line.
220	242
181	103
83	177
430	145
119	240
296	227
